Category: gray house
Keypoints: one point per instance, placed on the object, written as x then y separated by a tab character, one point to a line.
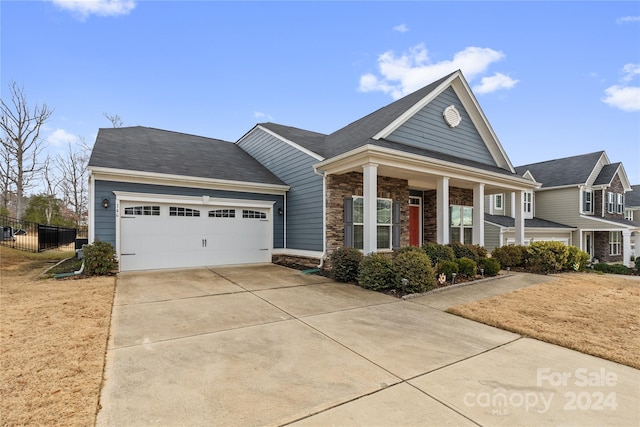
632	213
414	171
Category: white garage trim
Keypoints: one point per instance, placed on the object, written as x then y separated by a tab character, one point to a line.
204	201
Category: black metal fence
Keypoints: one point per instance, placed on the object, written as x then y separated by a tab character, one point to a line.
34	237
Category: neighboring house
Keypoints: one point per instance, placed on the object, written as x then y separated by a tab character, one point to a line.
632	213
586	192
414	171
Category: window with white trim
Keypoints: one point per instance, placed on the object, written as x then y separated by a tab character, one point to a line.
628	214
611	203
143	210
619	203
587	201
180	211
246	213
528	202
384	223
461	224
497	202
615	242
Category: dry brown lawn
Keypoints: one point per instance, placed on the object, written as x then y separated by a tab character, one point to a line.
594	314
53	337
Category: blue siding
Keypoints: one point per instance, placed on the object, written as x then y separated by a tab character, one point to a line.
304	199
105	219
427	129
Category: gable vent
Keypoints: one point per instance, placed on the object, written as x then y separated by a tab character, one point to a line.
452	116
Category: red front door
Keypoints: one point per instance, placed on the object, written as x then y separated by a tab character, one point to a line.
414	225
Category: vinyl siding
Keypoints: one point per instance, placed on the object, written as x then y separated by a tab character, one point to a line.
427	129
491	236
105	219
304	199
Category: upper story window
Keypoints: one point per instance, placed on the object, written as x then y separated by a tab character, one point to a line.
611	202
628	214
498	202
587	201
615	203
142	210
528	203
384	223
178	211
619	203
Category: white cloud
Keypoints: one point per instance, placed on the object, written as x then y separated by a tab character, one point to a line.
628	19
84	8
60	137
402	28
400	75
262	116
624	96
496	82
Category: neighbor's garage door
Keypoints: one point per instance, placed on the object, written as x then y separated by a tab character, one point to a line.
154	236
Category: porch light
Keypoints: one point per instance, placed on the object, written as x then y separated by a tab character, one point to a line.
105	203
280	211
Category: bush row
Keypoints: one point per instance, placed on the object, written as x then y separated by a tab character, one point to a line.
542	257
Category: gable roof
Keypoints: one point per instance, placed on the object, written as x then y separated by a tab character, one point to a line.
573	170
607	173
632	198
153	150
312	141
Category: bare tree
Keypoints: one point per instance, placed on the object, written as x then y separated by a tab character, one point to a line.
72	168
115	120
51	184
20	127
6	177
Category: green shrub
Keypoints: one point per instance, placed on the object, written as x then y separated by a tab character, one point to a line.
463	251
376	272
345	263
612	268
466	267
577	259
447	268
437	253
491	266
478	252
510	256
547	257
637	262
415	267
99	258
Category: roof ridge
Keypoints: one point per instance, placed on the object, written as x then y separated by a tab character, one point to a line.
168	131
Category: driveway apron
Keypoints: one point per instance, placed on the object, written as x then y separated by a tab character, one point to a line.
267	345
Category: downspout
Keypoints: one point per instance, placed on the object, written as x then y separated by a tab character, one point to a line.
324	215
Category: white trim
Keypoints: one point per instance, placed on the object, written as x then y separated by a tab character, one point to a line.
297	252
92	214
286	141
604	220
478	214
139	177
126	196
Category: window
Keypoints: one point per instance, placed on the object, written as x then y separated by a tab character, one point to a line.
461	224
528	202
614	243
628	214
497	202
587	201
611	202
177	211
619	203
253	214
383	223
143	210
222	213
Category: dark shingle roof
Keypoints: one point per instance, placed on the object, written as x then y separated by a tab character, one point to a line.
312	141
573	170
606	174
359	133
160	151
632	198
507	221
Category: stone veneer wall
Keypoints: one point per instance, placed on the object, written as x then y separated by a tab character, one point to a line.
350	184
601	247
457	196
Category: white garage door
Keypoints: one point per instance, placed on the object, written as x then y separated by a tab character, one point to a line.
154	236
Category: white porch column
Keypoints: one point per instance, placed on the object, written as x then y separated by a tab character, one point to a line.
478	214
519	216
626	248
370	196
442	208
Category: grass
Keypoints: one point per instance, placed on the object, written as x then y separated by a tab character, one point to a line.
54	336
594	314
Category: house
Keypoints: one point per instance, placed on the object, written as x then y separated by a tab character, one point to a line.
587	194
414	171
632	213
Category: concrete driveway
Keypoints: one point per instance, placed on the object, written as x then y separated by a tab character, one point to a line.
266	345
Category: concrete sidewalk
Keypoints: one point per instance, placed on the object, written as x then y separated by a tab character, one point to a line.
266	345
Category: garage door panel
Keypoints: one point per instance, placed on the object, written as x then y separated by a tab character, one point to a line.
164	241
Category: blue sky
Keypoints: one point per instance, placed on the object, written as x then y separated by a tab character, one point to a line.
554	79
